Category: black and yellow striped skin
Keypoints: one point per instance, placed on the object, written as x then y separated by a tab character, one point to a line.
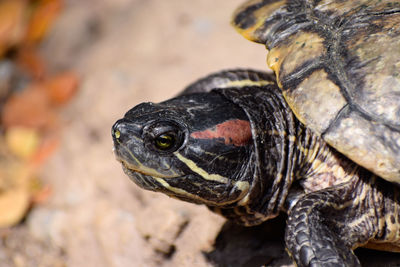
333	205
184	171
338	65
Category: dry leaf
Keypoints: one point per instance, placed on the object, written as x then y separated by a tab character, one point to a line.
22	142
15	178
13	206
62	87
41	19
29	108
12	23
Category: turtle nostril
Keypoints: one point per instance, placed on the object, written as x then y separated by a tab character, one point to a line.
116	130
117	134
124	131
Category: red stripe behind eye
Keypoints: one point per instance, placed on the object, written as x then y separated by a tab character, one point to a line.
234	132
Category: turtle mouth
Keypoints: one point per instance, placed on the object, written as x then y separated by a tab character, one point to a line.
149	182
132	164
176	188
141	169
143	180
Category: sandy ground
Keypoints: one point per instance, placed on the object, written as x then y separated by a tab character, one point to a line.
127	52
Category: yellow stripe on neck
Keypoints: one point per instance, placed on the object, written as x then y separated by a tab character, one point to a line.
243	83
207	176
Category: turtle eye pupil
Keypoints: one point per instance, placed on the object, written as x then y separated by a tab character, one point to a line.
165	141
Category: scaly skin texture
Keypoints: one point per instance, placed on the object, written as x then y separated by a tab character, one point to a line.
337	64
324	225
240	150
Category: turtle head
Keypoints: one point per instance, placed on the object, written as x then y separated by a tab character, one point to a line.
194	147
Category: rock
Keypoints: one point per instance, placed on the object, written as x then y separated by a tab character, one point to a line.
162	234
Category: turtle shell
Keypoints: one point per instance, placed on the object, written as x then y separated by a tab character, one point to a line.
338	65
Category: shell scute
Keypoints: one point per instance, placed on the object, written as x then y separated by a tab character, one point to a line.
338	65
308	101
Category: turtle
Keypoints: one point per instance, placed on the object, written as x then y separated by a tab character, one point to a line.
231	141
318	140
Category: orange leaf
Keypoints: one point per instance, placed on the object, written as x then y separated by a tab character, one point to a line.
42	17
30	108
62	87
12	22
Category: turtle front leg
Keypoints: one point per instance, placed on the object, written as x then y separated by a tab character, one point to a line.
323	227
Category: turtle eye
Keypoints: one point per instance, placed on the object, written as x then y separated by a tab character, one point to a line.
163	136
165	141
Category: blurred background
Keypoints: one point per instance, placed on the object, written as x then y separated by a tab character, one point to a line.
68	70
